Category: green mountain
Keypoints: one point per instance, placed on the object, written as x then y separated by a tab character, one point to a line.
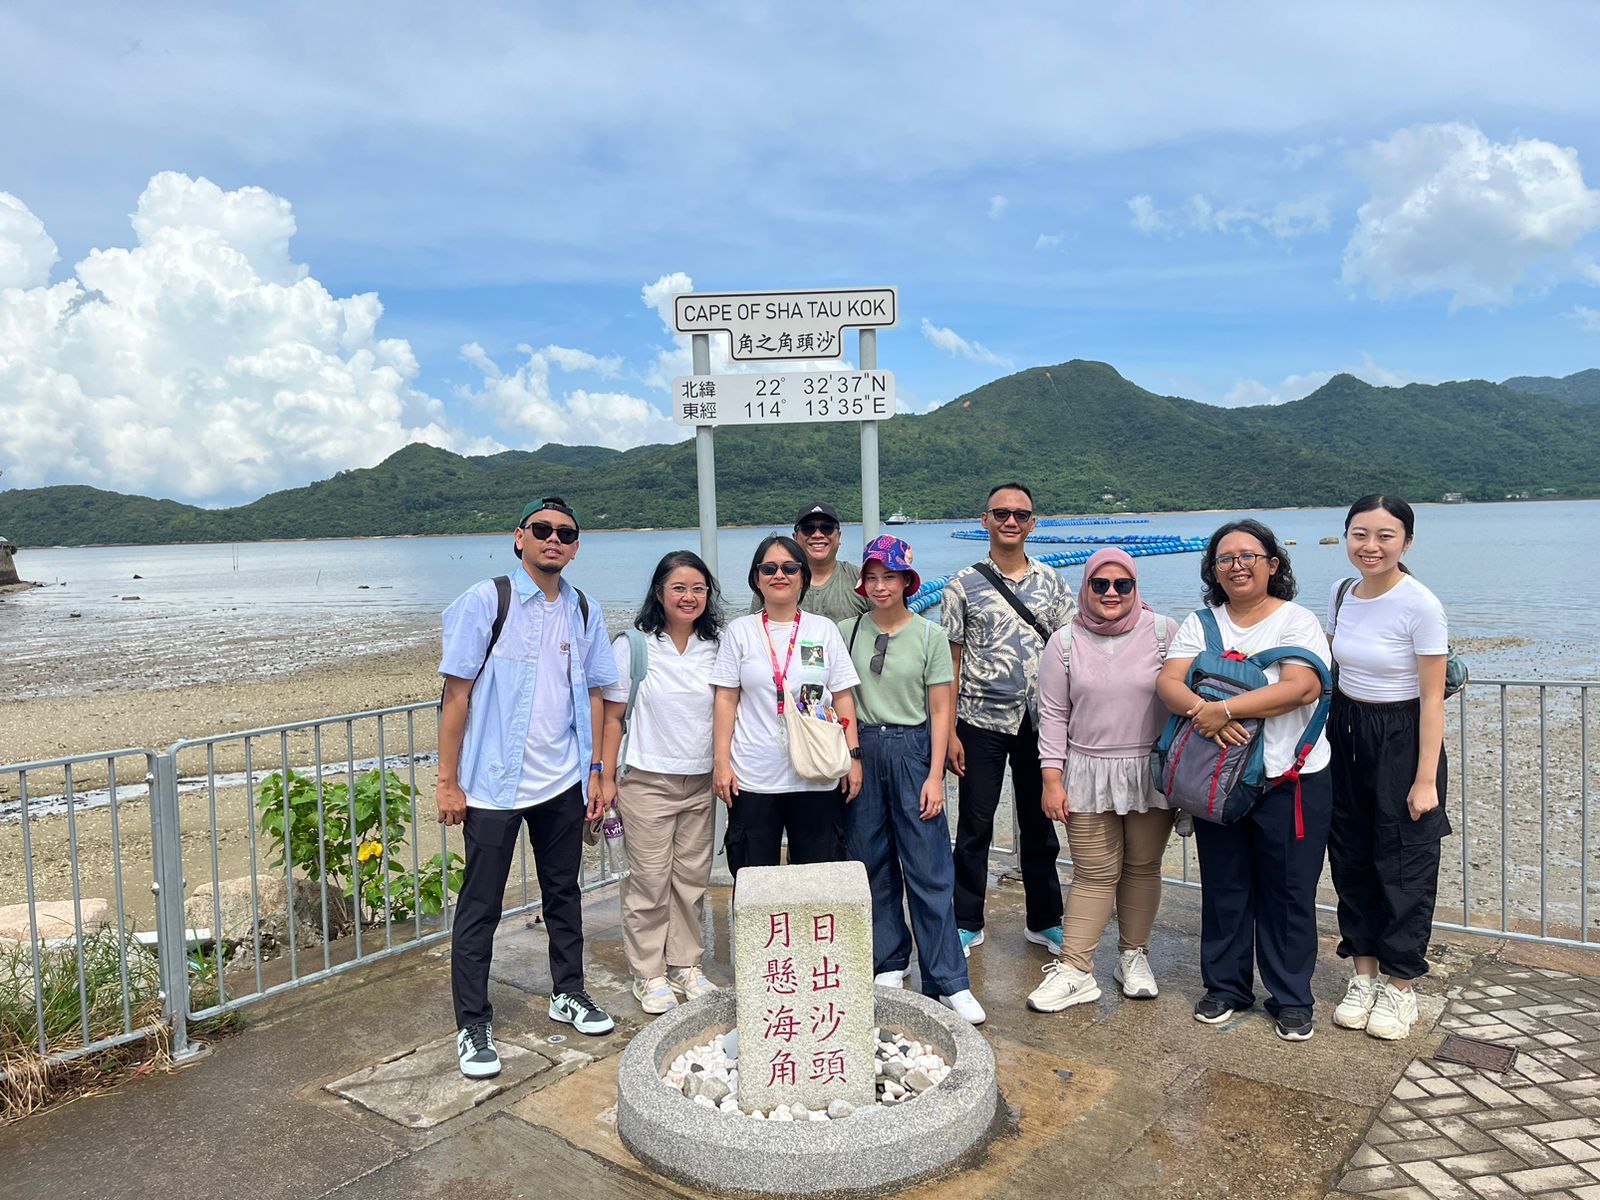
1580	388
1077	433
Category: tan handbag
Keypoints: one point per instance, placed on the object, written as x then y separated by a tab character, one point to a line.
817	748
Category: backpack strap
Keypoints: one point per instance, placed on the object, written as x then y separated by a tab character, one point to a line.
855	629
1338	602
1314	727
502	596
1161	638
1213	631
1011	598
638	668
583	607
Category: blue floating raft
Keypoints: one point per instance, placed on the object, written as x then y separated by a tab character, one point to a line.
1095	539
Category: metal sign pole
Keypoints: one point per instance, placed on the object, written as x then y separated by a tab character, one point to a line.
869	445
705	464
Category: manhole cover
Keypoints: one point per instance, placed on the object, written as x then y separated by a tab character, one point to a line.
1476	1052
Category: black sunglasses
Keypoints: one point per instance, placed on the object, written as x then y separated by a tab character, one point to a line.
1002	515
541	531
814	527
880	647
1101	586
771	569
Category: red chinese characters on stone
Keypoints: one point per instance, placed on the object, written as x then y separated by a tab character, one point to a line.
777	926
781	1023
780	977
783	1069
827	1066
825	976
825	1022
822	928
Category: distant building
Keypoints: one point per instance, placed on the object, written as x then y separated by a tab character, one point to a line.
1455	498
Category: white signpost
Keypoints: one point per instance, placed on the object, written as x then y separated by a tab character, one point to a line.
791	397
779	326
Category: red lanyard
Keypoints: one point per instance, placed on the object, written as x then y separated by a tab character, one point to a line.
777	675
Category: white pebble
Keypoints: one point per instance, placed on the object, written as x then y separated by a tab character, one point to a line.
818	1116
704	1103
757	1115
782	1114
840	1108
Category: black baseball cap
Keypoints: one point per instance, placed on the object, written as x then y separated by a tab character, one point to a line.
554	504
819	509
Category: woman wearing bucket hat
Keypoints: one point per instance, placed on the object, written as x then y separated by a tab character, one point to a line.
896	827
1098	717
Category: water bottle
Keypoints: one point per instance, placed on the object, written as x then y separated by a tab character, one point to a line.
611	827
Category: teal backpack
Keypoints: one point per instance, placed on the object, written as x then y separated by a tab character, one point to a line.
638	667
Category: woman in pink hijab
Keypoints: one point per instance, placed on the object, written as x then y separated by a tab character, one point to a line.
1098	717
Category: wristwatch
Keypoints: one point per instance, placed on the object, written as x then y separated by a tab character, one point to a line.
855	753
597	766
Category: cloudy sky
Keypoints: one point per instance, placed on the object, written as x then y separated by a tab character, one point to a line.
243	247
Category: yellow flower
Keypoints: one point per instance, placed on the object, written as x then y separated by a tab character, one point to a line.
369	850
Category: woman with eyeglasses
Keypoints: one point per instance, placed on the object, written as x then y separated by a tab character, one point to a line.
1098	717
768	661
1258	876
659	775
1391	643
896	827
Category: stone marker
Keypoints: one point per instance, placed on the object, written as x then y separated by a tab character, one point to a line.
802	964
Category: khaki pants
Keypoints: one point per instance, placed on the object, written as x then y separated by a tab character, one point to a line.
666	821
1115	859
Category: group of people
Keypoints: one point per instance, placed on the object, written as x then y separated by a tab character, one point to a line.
546	725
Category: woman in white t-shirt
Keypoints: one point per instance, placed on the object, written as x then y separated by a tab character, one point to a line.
1391	642
768	660
661	779
1258	876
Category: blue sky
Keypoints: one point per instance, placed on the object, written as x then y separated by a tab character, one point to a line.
1227	202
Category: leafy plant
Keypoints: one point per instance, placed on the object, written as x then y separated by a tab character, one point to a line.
356	842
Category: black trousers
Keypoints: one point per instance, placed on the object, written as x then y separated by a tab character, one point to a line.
555	831
1038	848
1385	865
1258	897
758	821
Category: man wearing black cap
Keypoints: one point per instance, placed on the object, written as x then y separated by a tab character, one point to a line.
832	593
524	661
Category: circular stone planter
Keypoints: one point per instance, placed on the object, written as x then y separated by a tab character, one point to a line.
885	1146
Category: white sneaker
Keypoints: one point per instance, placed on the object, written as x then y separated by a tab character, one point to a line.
890	979
1394	1011
1134	974
654	996
965	1005
1063	987
475	1052
1359	995
578	1009
691	981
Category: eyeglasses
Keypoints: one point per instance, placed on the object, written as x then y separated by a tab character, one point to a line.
771	569
812	528
680	590
880	647
1246	560
541	531
1002	515
1101	586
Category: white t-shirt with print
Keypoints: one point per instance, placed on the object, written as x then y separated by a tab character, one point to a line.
670	730
550	756
1377	641
820	665
1290	625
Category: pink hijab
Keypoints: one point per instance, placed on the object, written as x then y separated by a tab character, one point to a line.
1136	609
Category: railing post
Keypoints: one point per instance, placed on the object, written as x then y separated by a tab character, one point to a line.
172	942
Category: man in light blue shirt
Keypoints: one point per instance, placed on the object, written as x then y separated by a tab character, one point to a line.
517	741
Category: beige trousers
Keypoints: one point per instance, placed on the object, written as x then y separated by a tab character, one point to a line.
1115	860
666	823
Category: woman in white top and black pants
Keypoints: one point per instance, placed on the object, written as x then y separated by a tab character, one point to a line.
1390	643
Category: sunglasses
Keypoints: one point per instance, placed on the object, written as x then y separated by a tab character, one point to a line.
541	531
1101	586
1021	515
812	528
880	648
771	569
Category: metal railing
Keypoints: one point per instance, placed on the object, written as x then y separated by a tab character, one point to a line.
276	857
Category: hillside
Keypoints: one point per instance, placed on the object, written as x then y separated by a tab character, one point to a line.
1582	387
1075	432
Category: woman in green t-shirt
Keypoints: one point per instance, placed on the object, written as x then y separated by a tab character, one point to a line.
896	826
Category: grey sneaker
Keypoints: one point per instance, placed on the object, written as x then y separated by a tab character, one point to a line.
1394	1012
1359	995
1063	987
475	1051
1133	973
579	1011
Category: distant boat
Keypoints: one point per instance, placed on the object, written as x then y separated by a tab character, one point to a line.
897	517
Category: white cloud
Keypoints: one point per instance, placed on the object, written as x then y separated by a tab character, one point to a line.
1587	318
1296	157
1296	387
1198	214
1453	212
952	342
997	207
524	401
1047	241
26	251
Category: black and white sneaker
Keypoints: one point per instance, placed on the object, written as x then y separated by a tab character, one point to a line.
579	1011
476	1053
1295	1024
1213	1010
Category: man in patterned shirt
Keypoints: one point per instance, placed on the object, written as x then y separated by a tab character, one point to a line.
996	650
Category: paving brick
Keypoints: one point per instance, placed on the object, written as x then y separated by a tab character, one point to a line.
1542	1179
1406	1090
1575	1149
1464	1134
1440	1087
1550	1131
1487	1092
1371	1179
1413	1129
1482	1164
1441	1106
1434	1147
1529	1148
1439	1185
1368	1156
1495	1117
1492	1187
